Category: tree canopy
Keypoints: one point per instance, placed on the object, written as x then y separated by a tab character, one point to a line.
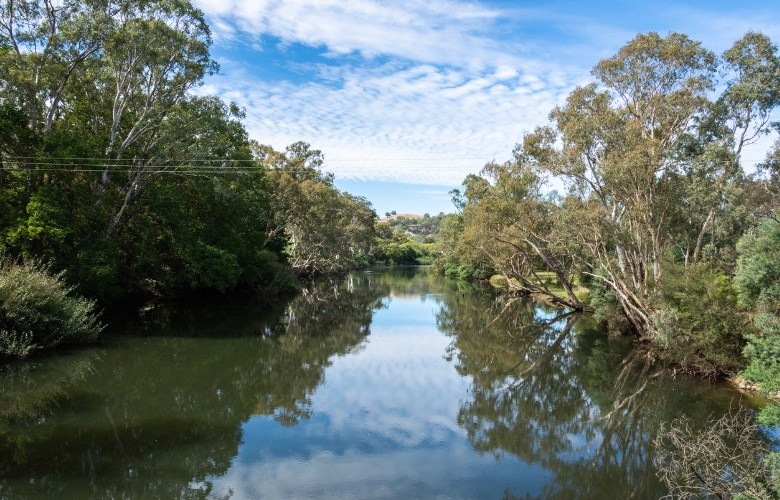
649	156
113	170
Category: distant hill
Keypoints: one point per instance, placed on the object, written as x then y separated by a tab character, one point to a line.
401	216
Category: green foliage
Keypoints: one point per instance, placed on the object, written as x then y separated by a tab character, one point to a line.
468	272
770	416
113	172
462	268
38	310
100	272
606	307
325	230
399	253
510	226
655	203
758	279
394	246
773	464
697	325
213	267
758	273
266	271
763	353
47	227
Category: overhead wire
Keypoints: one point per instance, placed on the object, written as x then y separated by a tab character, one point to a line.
247	160
201	166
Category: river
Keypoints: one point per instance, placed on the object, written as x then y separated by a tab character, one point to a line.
384	384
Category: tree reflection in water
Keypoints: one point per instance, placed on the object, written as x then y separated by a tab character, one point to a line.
159	411
154	415
550	388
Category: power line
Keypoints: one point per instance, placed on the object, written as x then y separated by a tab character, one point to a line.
234	160
216	166
93	167
194	169
100	161
188	169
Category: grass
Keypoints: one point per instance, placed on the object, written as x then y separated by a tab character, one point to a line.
550	280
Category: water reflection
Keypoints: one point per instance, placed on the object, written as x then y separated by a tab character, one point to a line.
552	389
350	389
154	417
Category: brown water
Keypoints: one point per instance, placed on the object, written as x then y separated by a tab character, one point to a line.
393	384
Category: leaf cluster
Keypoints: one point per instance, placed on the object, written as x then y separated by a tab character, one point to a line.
38	310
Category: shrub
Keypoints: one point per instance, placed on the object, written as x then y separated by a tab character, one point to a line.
468	272
697	325
605	306
267	273
38	310
758	279
763	351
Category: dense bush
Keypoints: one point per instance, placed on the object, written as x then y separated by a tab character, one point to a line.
393	246
695	325
698	326
605	305
409	252
37	311
758	281
468	272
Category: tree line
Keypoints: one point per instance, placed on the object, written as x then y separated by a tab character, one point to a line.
113	170
633	197
118	181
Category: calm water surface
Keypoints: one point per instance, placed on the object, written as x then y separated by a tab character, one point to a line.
392	384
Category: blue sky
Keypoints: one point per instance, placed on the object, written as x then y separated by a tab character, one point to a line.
405	98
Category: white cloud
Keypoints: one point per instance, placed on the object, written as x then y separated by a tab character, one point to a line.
422	91
406	122
446	95
438	31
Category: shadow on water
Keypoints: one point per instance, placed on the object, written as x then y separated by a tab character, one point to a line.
159	408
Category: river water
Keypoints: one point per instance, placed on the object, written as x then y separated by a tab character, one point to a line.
386	384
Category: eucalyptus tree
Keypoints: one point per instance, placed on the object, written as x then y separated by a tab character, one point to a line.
769	182
714	185
758	281
43	45
647	136
155	56
115	170
617	146
115	70
202	218
325	230
509	221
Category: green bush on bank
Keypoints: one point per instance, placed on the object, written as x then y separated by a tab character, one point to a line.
408	252
698	326
453	267
38	310
468	272
758	281
605	306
